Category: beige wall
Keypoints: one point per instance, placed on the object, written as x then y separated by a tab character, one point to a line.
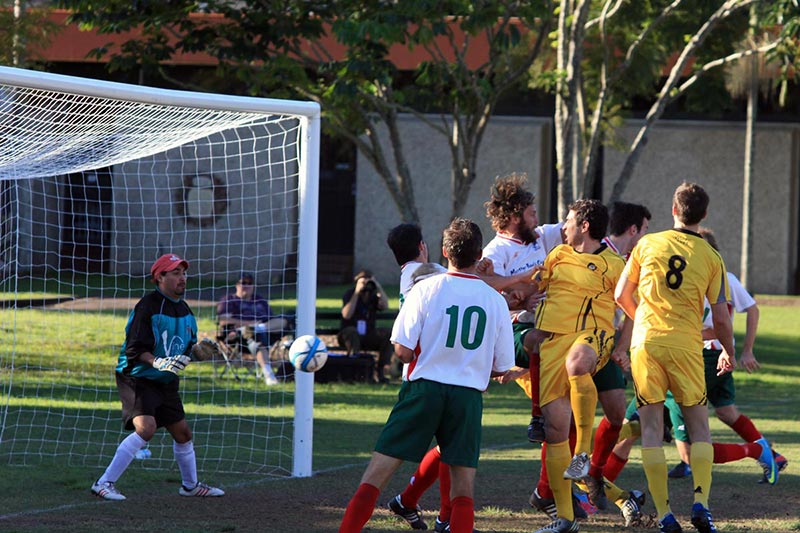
510	144
712	154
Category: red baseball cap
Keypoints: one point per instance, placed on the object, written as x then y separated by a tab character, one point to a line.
167	263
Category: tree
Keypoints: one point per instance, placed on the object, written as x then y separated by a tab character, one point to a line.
285	48
607	53
23	29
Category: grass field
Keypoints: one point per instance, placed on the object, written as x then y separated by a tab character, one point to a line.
51	496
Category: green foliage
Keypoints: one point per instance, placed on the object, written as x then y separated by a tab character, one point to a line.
22	37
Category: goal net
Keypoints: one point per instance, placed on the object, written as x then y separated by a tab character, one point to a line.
99	179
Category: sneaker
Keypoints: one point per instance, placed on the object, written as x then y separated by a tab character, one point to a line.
596	492
201	490
767	462
107	491
536	429
561	525
270	380
631	510
545	505
701	519
668	524
680	470
578	468
412	516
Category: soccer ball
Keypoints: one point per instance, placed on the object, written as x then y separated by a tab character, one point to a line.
308	353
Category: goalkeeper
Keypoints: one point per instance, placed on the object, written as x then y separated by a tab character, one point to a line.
159	338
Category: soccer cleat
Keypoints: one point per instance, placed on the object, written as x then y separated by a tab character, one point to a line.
561	525
596	492
578	468
201	490
767	462
631	511
581	506
780	460
640	497
668	524
680	470
107	491
444	527
536	429
701	519
412	516
548	506
545	505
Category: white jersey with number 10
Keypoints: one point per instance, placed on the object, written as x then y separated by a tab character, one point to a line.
462	328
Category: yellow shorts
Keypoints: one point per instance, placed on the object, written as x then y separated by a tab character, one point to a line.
656	369
553	378
525	383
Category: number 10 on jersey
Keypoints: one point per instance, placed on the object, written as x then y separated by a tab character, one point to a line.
463	322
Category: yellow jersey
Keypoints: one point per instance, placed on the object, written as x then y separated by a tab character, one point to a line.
674	271
580	290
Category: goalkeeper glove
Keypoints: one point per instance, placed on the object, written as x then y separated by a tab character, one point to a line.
173	364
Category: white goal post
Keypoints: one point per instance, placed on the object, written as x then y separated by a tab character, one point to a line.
97	179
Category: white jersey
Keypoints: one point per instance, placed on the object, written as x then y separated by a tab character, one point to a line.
511	256
461	328
406	282
741	300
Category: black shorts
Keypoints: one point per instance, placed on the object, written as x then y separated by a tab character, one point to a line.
141	396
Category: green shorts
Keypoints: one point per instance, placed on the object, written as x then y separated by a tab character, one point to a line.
427	409
521	329
720	389
609	377
673	418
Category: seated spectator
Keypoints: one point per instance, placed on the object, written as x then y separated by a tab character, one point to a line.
361	304
246	320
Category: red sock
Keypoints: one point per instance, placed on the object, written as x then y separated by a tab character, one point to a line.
359	509
726	453
745	428
463	518
605	438
543	487
446	508
533	368
427	472
613	467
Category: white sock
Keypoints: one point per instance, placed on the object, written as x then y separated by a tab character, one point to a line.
268	371
184	455
123	457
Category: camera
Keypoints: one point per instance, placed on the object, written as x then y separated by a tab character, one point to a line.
370	286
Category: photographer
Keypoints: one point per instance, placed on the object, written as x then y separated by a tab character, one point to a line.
358	332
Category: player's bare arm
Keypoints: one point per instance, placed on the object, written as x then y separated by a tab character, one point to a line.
624	296
723	327
748	358
623	344
406	355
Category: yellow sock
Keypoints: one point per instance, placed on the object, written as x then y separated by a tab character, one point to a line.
630	429
583	399
614	493
655	468
557	460
701	459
